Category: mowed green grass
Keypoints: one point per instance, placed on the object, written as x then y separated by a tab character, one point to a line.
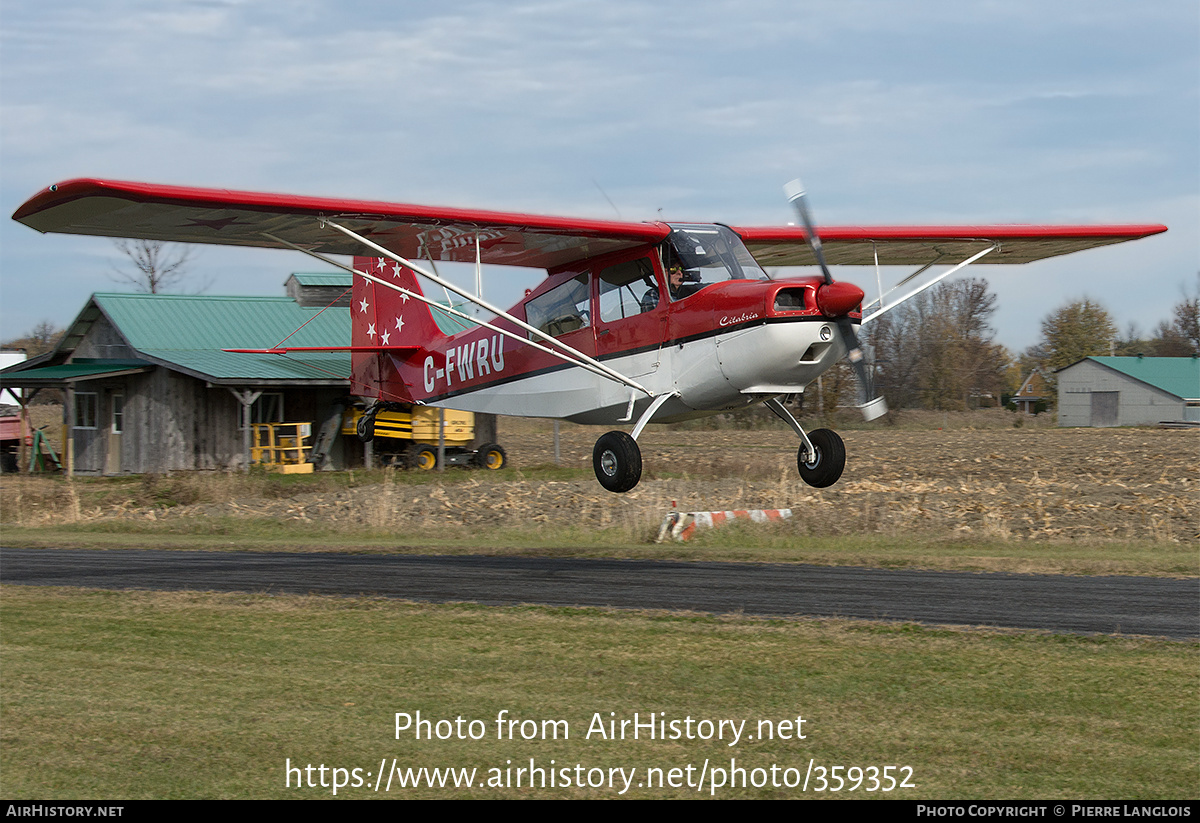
176	695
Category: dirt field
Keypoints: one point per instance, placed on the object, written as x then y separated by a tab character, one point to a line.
995	483
1023	483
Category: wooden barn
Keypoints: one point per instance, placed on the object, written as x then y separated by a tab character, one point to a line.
148	388
1129	391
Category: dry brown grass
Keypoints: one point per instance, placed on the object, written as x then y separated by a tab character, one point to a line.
992	483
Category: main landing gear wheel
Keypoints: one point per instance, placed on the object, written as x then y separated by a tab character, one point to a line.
491	457
617	461
825	467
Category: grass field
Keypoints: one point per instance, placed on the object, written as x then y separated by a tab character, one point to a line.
161	695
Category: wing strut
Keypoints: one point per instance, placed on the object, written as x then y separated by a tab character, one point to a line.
925	286
573	355
582	360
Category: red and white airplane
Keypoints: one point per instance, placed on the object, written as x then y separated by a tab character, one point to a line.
634	321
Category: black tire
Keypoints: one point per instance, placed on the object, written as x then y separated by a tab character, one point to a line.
366	427
491	457
425	458
617	461
825	467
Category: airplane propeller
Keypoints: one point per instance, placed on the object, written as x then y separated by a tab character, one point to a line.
836	300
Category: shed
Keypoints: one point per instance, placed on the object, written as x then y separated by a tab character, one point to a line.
1129	391
149	389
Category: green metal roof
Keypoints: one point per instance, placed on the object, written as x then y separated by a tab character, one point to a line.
1179	376
78	370
191	330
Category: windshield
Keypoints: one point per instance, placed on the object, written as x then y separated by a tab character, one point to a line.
706	254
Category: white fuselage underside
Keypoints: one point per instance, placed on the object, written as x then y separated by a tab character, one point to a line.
715	374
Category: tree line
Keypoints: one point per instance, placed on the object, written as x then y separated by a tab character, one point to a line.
938	350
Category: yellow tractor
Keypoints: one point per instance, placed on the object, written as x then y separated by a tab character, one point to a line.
407	436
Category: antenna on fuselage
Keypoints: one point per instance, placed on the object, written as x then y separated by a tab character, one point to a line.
609	199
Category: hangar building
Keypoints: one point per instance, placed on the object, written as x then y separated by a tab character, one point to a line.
1129	391
148	388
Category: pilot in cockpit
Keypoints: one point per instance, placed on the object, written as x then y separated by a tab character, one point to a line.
681	285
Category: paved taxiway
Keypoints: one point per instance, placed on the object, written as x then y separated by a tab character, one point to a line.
1058	603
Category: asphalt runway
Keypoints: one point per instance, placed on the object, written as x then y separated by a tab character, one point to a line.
1056	603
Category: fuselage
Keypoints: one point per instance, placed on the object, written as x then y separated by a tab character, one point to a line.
724	338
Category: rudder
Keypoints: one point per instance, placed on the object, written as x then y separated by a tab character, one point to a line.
383	316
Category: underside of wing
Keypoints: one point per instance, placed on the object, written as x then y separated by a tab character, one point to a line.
923	245
232	218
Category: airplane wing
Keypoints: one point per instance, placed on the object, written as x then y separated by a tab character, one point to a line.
235	218
923	245
111	208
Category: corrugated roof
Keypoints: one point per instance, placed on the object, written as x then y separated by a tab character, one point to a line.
80	369
1178	375
191	331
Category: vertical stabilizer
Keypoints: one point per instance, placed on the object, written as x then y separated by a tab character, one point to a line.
385	317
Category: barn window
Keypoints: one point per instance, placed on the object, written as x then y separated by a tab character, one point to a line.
118	413
268	408
87	407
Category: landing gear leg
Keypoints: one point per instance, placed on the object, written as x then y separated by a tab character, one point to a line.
616	459
822	457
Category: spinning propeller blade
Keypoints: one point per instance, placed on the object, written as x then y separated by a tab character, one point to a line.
870	405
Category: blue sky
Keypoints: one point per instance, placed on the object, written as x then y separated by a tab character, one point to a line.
915	112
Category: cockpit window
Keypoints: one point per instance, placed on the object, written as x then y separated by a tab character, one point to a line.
627	289
562	309
696	256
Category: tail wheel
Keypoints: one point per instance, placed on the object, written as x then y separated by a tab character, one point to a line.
617	461
825	467
491	457
425	459
366	427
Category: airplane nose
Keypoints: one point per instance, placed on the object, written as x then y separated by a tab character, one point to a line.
838	299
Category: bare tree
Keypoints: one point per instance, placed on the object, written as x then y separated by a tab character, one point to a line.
1187	321
156	266
936	350
39	340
